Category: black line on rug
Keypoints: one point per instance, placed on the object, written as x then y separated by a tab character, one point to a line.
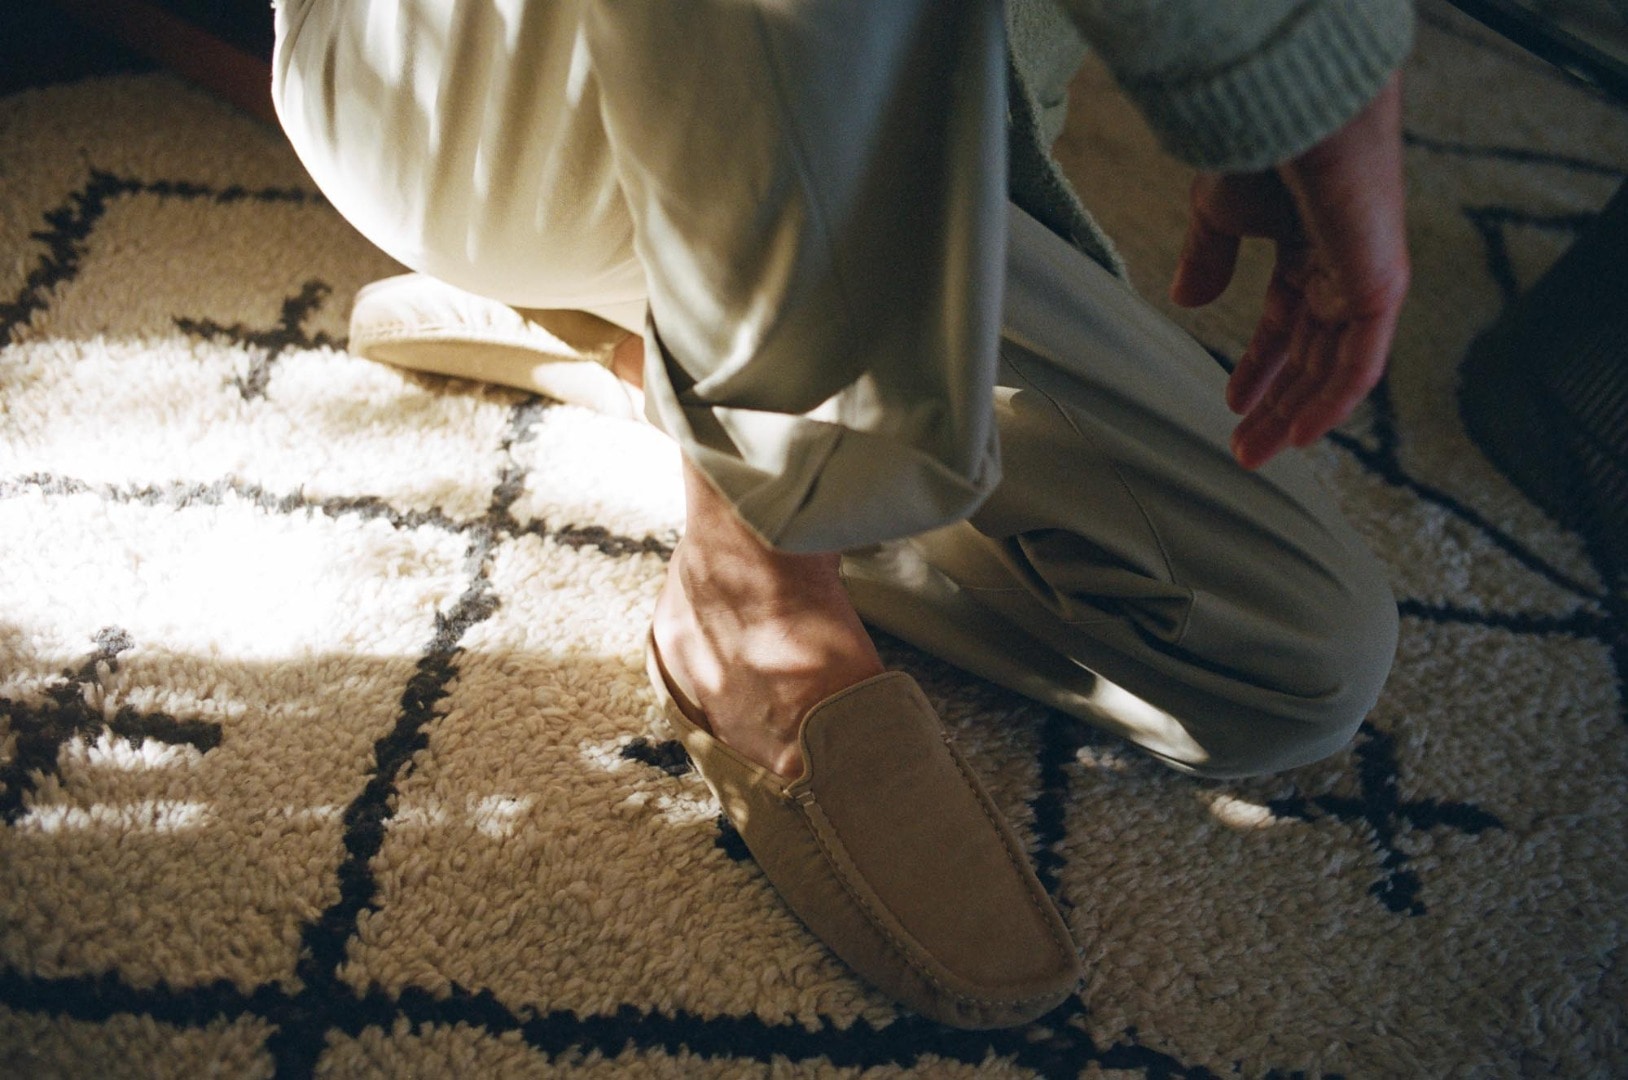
670	757
667	755
180	496
1061	737
1387	468
1492	223
1579	624
1054	1046
96	998
1057	1045
599	538
232	193
1616	606
69	713
325	1001
523	419
1514	154
297	1043
729	840
69	226
1380	807
1611	628
512	484
266	347
1382	419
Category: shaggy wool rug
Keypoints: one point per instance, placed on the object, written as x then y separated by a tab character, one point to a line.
325	743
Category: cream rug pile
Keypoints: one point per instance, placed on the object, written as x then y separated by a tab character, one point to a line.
325	743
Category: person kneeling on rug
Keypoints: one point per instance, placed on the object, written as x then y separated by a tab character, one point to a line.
900	396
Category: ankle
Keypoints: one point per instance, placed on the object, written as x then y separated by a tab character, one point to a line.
627	361
752	636
721	555
712	573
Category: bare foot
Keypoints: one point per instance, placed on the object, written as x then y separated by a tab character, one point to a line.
754	636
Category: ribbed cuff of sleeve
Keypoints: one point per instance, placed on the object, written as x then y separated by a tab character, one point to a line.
1322	66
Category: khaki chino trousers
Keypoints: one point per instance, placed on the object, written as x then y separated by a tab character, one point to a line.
801	204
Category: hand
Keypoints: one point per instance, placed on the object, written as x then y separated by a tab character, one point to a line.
1341	273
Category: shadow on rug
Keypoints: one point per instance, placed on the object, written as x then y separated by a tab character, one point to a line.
325	743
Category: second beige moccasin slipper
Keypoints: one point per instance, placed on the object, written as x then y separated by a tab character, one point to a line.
415	321
890	851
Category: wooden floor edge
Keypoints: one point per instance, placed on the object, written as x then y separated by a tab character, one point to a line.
225	70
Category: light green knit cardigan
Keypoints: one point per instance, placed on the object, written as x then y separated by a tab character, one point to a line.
1228	85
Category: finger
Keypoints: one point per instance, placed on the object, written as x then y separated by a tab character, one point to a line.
1205	267
1362	352
1313	368
1269	345
1264	430
1256	370
1259	436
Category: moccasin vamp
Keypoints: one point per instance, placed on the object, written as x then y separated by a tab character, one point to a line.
890	851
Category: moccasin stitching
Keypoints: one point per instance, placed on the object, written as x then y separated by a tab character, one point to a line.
1021	867
882	928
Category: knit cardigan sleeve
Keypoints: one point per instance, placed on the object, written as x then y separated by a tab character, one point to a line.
1239	85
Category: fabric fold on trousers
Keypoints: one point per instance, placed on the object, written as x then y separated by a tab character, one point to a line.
826	356
1126	570
806	483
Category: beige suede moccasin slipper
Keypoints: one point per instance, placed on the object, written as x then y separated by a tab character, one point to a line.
418	322
891	852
